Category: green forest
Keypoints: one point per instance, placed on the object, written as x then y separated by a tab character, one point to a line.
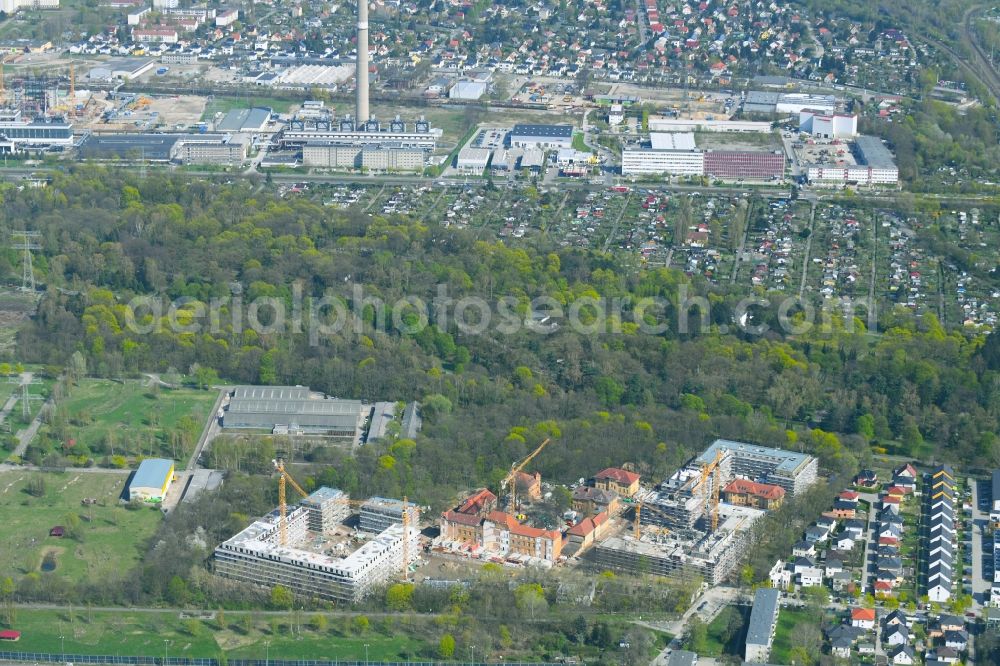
609	396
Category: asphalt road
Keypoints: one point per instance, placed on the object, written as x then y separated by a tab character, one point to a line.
981	551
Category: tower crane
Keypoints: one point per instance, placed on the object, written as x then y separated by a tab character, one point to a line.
284	477
510	479
710	503
636	524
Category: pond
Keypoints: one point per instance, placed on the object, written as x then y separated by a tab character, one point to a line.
49	562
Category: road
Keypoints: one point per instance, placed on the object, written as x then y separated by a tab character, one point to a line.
980	565
209	431
805	258
707	606
25	378
871	498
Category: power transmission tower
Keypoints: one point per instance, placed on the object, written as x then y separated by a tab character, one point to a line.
26	397
26	241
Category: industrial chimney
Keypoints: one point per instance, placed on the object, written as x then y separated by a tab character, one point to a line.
361	73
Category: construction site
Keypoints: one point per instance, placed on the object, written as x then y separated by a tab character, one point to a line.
697	521
310	549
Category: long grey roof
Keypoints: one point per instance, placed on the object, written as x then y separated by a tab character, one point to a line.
543	131
874	153
786	462
765	609
152	473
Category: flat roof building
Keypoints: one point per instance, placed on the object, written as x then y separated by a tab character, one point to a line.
876	166
35	133
293	409
473	160
151	480
326	507
541	136
468	90
763	621
135	146
791	470
379	513
744	165
683	658
245	120
256	556
828	126
714	556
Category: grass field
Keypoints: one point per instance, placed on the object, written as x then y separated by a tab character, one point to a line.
138	418
110	538
144	633
788	620
720	640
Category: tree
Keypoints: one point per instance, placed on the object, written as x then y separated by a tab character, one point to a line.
697	639
506	640
399	596
281	597
7	600
193	628
177	591
446	647
220	620
361	624
530	599
319	622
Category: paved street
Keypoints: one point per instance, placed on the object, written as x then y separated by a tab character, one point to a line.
980	550
707	606
871	498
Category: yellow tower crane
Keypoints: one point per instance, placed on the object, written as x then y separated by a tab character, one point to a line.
283	478
713	470
637	523
510	479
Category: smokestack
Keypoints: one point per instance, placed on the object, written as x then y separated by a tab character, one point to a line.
361	72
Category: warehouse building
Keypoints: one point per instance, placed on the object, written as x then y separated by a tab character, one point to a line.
293	409
245	120
772	102
379	513
473	160
744	165
151	480
125	69
667	153
468	90
133	146
827	126
876	166
541	136
256	556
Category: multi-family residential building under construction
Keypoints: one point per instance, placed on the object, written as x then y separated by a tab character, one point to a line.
308	549
683	527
